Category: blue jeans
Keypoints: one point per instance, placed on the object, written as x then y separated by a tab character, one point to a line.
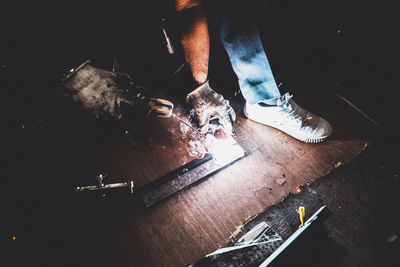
233	22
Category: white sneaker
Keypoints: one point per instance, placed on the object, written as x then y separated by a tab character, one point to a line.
290	118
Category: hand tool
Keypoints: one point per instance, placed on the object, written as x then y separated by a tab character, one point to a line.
102	186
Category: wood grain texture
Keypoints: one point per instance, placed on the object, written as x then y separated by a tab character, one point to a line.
200	219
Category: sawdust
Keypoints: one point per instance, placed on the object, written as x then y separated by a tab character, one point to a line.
193	142
187	133
196	148
237	231
337	165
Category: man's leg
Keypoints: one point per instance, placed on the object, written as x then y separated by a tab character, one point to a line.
236	28
234	24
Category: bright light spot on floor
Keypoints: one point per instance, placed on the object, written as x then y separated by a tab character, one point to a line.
224	150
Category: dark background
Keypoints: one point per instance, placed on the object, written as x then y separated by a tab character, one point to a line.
351	46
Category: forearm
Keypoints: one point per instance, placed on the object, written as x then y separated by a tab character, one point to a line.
194	37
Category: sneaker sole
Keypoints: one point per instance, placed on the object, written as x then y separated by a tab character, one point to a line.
305	140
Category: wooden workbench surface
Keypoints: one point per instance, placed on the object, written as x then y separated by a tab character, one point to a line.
203	217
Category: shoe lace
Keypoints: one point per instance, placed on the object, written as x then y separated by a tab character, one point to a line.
291	110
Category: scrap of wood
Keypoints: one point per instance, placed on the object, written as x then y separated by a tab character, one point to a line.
337	165
237	231
280	181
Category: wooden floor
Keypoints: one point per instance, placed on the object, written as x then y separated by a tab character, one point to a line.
203	217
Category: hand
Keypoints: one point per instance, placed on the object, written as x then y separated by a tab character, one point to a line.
209	105
100	91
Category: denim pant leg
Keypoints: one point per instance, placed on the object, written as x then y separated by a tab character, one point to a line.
237	31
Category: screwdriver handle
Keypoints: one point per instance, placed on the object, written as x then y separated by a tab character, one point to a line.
160	107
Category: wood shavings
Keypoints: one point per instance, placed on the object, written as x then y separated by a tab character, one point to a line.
237	231
280	181
337	165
